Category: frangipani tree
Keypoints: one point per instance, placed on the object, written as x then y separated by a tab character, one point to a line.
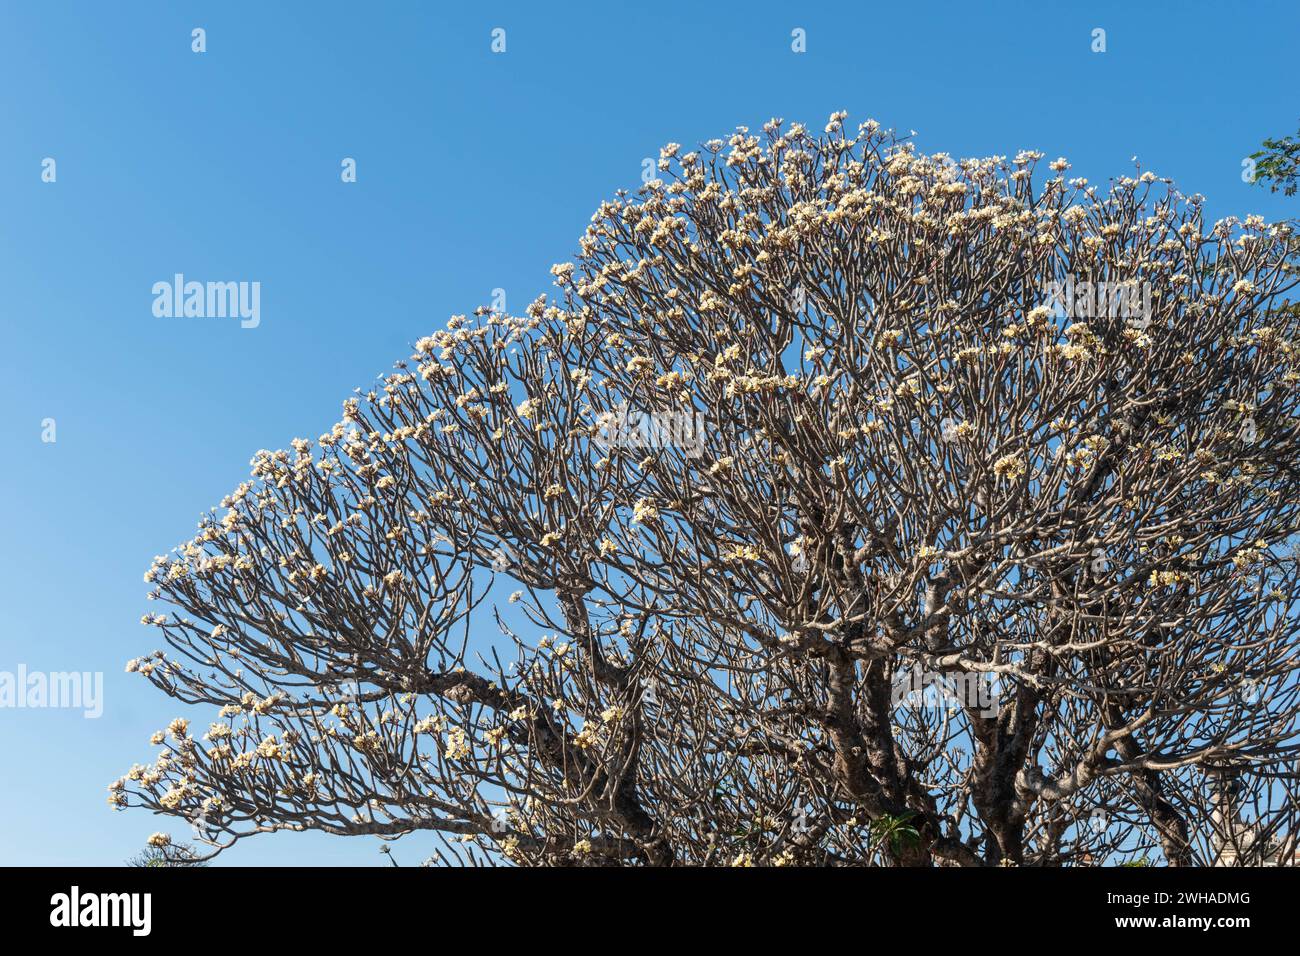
813	421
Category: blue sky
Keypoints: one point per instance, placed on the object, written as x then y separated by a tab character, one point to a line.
476	171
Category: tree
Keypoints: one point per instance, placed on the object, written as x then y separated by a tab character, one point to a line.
814	423
1278	164
168	855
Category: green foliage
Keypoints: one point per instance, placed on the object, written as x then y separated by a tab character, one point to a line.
1278	164
900	833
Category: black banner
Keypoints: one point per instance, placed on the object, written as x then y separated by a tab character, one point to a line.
367	905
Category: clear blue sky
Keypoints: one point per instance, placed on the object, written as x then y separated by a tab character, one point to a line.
475	171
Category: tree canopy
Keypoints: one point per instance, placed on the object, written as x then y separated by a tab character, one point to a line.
668	568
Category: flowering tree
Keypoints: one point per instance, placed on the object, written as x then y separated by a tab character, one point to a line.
814	423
